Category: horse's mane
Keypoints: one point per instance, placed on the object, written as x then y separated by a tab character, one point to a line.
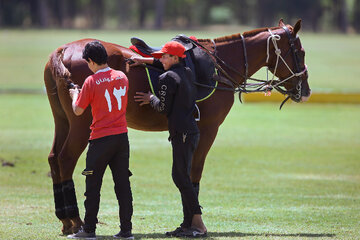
237	36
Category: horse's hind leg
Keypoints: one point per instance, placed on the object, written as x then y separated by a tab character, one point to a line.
74	145
60	208
61	132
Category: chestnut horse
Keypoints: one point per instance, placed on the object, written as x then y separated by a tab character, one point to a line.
238	56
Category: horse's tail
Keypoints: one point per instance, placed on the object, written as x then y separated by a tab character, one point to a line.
58	69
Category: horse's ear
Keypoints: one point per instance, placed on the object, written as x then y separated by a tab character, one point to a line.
297	26
281	23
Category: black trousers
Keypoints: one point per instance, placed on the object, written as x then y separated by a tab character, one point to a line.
183	147
113	151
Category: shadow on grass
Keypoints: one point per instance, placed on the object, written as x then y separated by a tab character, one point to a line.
230	234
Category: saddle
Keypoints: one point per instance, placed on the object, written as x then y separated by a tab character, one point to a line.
141	47
196	59
147	50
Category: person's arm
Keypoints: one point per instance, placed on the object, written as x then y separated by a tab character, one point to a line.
145	60
137	60
74	94
158	64
156	104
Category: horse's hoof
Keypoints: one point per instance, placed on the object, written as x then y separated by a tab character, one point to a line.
66	231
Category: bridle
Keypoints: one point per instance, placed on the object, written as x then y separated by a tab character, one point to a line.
298	74
259	85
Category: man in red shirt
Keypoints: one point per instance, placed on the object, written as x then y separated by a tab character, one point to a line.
107	93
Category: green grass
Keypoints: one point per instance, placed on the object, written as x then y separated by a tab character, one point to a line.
333	60
289	174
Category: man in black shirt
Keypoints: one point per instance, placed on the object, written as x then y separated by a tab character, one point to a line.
177	95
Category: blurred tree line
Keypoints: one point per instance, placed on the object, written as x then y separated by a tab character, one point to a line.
317	15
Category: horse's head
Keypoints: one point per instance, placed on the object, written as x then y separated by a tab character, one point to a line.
288	62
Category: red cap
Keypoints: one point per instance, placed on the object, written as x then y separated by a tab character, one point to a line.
172	48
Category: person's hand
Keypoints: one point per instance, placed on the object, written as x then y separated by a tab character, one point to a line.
143	98
73	92
135	61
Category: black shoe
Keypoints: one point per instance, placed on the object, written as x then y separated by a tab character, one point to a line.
124	235
175	232
191	233
82	234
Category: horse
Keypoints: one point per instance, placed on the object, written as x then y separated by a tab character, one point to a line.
237	57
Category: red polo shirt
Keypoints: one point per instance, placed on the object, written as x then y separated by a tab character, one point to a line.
107	93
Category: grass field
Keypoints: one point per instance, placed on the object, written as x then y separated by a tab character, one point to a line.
333	60
290	174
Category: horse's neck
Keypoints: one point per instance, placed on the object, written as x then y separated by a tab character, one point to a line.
256	50
233	54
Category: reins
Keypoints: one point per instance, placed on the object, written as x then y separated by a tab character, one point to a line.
217	65
260	85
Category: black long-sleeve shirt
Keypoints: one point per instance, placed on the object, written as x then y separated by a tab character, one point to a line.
177	95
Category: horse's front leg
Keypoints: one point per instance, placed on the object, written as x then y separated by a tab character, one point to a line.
213	113
207	137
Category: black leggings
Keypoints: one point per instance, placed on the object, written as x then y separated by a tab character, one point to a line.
183	152
113	151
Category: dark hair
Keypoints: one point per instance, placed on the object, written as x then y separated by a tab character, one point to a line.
96	52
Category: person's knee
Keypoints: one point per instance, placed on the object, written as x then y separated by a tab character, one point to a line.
122	188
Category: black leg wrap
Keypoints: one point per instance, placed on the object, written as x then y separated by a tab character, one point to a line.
196	187
71	207
59	201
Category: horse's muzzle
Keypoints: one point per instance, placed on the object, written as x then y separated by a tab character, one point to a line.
305	98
